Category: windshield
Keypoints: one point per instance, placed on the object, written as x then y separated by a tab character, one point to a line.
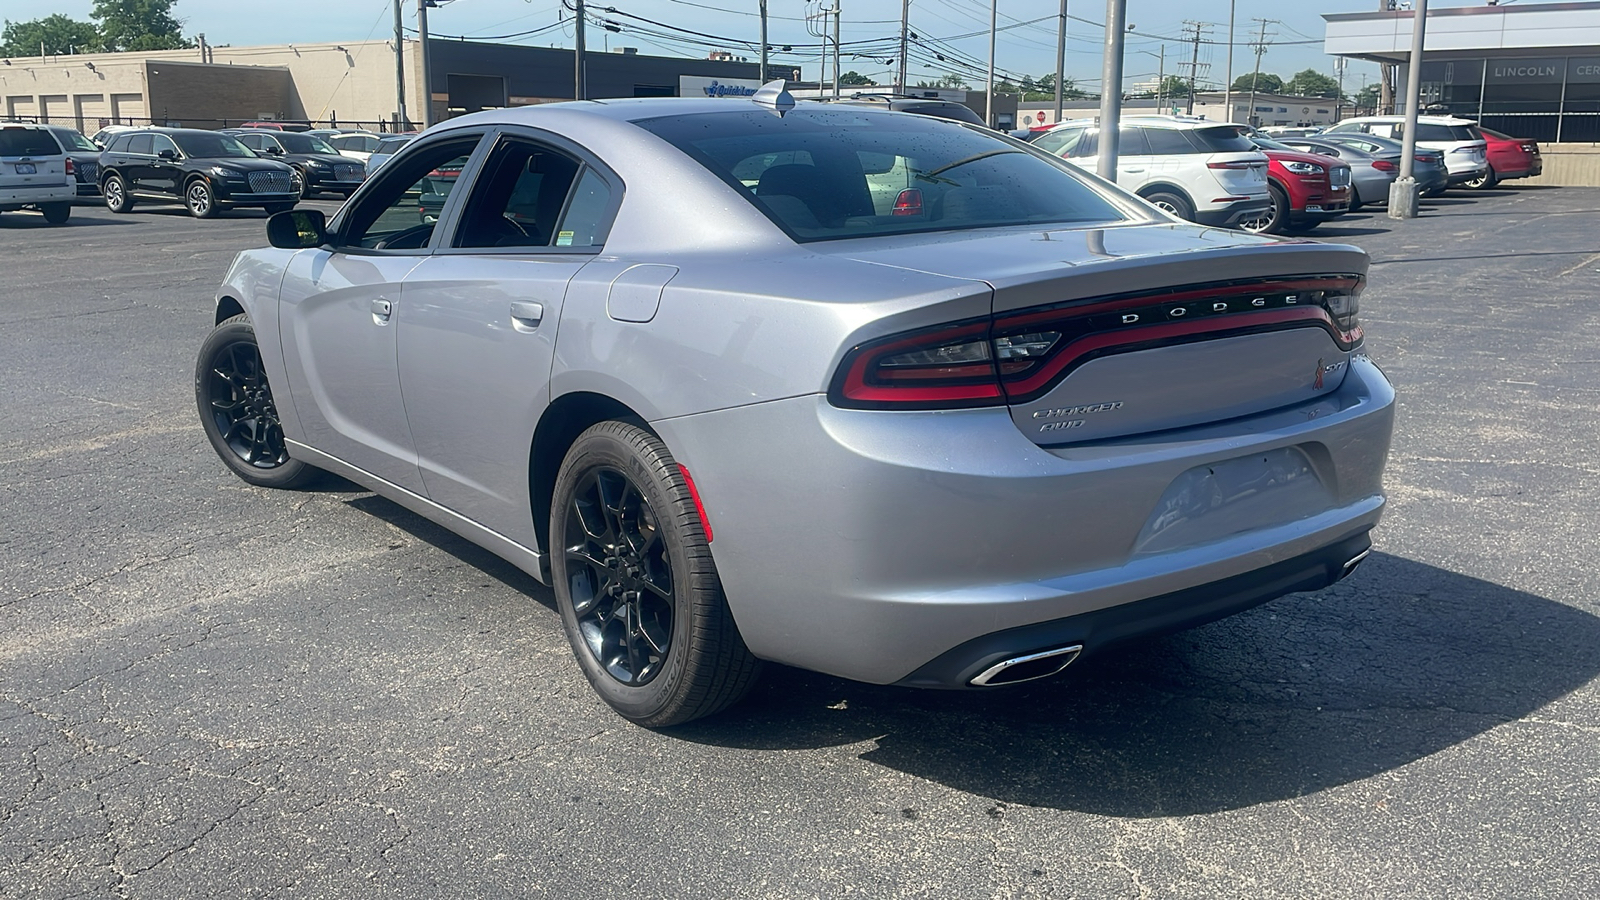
206	145
75	141
829	174
304	143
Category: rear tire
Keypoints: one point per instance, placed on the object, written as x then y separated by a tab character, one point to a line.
1176	204
56	213
1483	182
237	411
634	581
115	193
1274	220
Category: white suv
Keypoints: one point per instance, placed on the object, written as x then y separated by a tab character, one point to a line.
1197	170
35	173
1466	153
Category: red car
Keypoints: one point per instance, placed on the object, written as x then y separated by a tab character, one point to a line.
1307	189
1509	158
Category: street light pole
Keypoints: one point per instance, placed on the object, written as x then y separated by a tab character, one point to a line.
1227	89
905	31
579	89
427	65
1061	59
1111	89
988	103
1403	193
399	71
763	78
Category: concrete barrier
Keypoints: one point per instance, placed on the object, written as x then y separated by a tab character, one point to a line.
1568	165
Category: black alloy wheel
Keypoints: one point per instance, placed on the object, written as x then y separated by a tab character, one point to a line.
637	589
237	411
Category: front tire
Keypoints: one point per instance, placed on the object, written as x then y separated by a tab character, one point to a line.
56	213
200	200
115	192
237	410
638	592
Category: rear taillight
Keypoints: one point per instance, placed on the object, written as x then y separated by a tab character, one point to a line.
1235	164
71	170
1019	356
1426	159
1383	165
909	203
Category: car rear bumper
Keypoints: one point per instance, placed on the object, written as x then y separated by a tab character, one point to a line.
1464	175
870	544
40	193
1231	215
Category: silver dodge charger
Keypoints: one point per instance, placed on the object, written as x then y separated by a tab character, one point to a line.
888	397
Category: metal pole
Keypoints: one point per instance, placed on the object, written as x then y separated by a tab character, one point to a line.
1385	73
579	89
1161	78
1194	68
838	9
1111	89
1403	193
399	71
1227	89
763	78
905	31
427	65
988	103
1255	77
1061	59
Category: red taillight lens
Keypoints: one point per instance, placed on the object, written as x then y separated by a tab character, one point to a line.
1426	159
1022	355
1383	165
1236	164
909	203
71	170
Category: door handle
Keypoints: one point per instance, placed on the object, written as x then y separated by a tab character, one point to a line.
1133	170
526	315
381	308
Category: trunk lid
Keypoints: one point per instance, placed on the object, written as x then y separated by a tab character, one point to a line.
1103	333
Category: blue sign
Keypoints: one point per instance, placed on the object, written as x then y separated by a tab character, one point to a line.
716	89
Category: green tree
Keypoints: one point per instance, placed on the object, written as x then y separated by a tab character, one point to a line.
1312	83
1367	97
1265	83
854	78
952	81
58	33
1004	86
139	25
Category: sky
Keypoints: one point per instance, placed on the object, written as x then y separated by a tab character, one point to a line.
869	31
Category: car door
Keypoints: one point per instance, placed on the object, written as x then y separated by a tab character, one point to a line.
1135	166
339	308
136	165
164	172
478	333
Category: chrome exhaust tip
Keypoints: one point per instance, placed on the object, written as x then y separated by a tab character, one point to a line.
1350	564
1029	667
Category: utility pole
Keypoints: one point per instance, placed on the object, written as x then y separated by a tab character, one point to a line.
400	123
837	15
1403	192
1338	103
1061	58
427	65
579	89
1111	90
1255	77
988	103
905	31
763	78
1385	73
1227	87
1194	64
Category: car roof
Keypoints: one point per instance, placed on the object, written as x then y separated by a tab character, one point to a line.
1426	120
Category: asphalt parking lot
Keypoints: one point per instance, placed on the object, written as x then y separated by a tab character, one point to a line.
211	690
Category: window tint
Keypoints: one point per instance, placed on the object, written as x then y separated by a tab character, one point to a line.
1443	133
1168	142
518	198
962	177
392	145
27	142
72	140
586	221
160	142
140	144
1221	139
120	143
304	143
1131	142
400	210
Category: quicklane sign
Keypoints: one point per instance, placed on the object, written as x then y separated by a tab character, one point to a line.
700	86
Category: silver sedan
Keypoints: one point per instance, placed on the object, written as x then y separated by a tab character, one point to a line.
888	397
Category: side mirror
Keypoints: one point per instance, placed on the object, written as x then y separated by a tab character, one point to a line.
297	229
168	154
275	149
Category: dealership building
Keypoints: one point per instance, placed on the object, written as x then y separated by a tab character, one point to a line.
351	83
1527	69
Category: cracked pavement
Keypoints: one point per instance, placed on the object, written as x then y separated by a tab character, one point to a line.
210	690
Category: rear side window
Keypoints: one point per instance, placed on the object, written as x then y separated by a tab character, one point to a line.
120	144
1168	142
141	143
957	177
519	197
1131	142
28	142
1221	139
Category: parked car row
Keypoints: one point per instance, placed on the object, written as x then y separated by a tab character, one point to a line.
1237	177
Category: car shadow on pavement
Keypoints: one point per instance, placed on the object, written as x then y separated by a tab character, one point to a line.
24	220
1310	692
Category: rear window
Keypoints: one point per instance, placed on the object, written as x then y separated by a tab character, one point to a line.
1445	133
392	145
953	111
28	142
1221	139
830	174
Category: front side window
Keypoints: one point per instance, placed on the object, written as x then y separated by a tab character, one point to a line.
399	211
962	177
160	143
